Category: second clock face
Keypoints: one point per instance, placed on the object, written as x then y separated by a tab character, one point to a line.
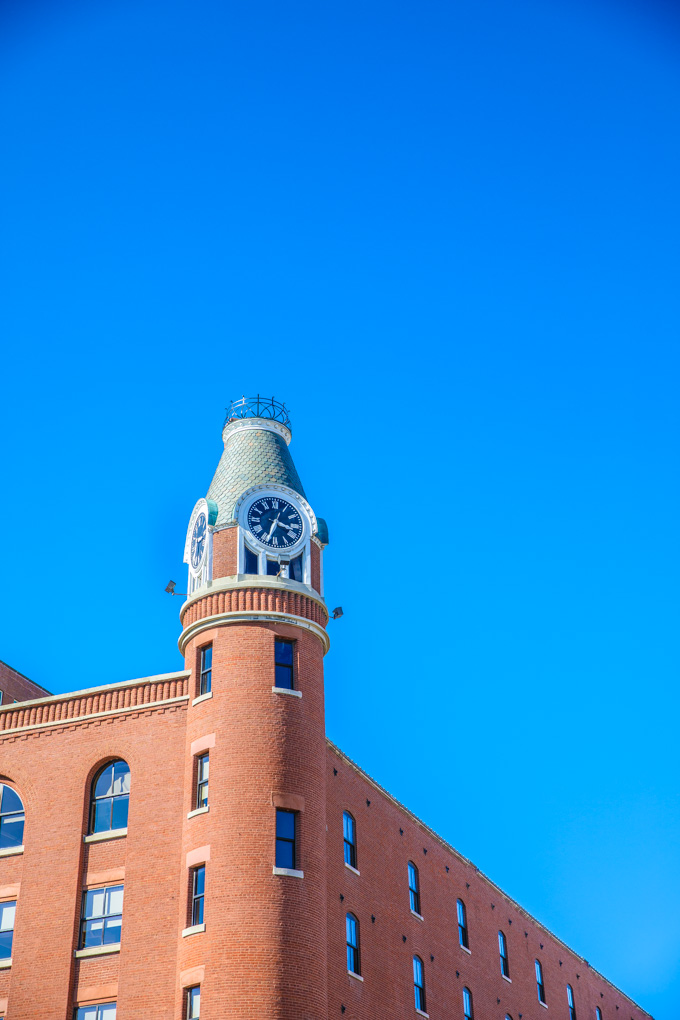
275	522
198	541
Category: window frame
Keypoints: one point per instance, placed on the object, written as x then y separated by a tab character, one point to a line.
287	840
78	1015
106	889
14	814
570	1002
290	666
349	845
353	948
197	906
503	953
461	915
598	1013
248	552
414	888
95	800
190	995
3	931
205	671
419	984
202	780
540	984
468	1007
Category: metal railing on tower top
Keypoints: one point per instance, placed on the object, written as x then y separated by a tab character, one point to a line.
258	407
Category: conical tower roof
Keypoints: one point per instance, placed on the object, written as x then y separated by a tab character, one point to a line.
256	436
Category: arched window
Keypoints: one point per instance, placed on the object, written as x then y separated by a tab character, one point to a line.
598	1013
540	987
467	1004
419	983
353	959
110	797
349	836
462	924
570	1000
503	950
413	887
11	818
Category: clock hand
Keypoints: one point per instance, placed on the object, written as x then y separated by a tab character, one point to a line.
271	530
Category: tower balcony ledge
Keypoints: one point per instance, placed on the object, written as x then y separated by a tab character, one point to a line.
253	582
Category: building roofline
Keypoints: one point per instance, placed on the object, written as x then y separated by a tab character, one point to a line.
465	860
23	676
95	690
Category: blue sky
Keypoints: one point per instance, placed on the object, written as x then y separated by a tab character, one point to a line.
447	235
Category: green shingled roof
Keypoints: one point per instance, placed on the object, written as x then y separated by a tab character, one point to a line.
251	457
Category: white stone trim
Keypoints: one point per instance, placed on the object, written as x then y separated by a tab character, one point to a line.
10	851
258	425
97	690
101	837
291	872
350	868
286	690
245	616
506	978
4	964
202	697
193	930
544	1004
97	950
416	914
199	811
466	950
73	720
420	1013
357	977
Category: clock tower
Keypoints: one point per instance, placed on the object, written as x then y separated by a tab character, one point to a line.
253	637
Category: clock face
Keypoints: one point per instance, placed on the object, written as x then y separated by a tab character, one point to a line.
275	522
198	541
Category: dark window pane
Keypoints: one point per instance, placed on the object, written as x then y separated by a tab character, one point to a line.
120	812
295	569
284	652
199	881
121	778
11	831
198	911
10	800
206	657
283	677
102	815
272	567
250	564
284	854
104	786
285	824
6	944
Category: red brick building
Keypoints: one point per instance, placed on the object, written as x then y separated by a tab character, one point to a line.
191	845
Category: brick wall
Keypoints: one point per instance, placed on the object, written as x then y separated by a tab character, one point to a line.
17	687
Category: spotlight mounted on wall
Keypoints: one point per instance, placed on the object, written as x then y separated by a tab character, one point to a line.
337	613
170	588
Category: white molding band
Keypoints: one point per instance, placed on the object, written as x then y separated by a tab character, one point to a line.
193	930
245	616
290	872
97	690
114	947
101	837
258	425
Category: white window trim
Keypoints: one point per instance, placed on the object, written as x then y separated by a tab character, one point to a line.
466	950
506	978
357	977
5	964
420	1013
199	811
544	1004
350	868
202	697
416	914
291	872
194	929
10	851
286	690
114	947
101	837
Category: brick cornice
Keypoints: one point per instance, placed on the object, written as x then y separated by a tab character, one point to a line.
244	582
226	618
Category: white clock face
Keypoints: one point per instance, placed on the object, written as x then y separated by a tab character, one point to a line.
275	522
198	541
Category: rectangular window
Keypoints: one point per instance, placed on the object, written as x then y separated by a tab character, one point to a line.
194	1003
503	950
349	839
250	561
352	926
570	1000
283	664
462	925
413	887
102	917
273	567
295	568
7	912
103	1011
285	839
197	894
206	670
467	1004
1	697
540	987
203	765
419	983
